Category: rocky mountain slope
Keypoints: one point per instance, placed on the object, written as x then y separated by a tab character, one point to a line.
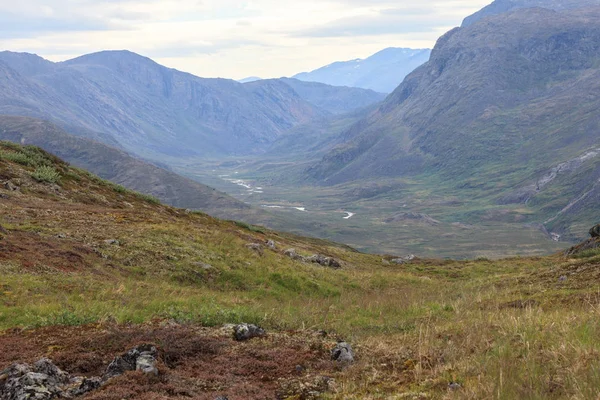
110	294
382	72
157	112
501	104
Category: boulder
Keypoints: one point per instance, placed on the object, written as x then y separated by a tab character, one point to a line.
291	253
595	231
256	247
342	353
271	244
325	261
141	358
244	332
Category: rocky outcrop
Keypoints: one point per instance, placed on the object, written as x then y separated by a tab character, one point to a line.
590	244
44	380
595	231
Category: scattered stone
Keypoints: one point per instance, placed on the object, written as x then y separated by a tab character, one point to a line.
342	353
244	332
404	260
146	354
8	185
222	398
325	261
312	388
85	385
61	236
595	231
271	244
256	247
112	242
563	278
291	253
454	386
4	196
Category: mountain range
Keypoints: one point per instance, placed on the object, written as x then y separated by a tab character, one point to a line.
381	72
161	113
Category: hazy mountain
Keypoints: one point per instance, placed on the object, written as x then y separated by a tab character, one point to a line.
382	72
503	6
250	79
509	101
119	167
334	99
150	109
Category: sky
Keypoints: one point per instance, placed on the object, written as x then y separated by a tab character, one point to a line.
225	38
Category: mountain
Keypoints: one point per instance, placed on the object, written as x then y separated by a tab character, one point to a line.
504	106
149	109
334	99
121	168
382	72
504	6
129	101
250	79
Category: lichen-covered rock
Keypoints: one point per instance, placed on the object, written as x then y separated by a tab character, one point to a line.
324	261
42	381
146	353
595	231
342	353
244	332
291	253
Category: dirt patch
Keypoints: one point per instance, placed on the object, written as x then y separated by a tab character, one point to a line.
33	251
194	362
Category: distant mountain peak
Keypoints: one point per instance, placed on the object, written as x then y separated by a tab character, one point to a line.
382	72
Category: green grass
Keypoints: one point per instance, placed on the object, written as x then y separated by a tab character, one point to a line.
46	174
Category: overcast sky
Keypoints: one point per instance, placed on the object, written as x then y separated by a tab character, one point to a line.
226	38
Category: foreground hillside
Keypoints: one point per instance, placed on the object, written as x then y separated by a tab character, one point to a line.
90	270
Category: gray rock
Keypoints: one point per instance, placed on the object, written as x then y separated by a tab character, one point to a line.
129	362
61	236
41	381
256	247
291	253
244	332
112	242
11	186
404	260
204	266
324	261
271	244
454	386
342	353
147	364
595	231
84	385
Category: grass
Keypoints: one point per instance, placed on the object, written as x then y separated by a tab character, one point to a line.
502	329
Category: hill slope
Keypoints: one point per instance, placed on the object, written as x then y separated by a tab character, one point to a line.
501	104
90	272
382	72
121	168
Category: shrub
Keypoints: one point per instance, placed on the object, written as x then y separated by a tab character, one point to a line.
46	174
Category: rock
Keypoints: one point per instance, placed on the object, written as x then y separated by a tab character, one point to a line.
42	381
8	185
595	231
291	253
146	353
147	364
244	332
271	244
222	398
563	278
112	242
342	353
324	261
204	266
61	236
454	386
256	247
85	385
404	260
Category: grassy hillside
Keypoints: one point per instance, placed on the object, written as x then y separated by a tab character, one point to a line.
88	268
